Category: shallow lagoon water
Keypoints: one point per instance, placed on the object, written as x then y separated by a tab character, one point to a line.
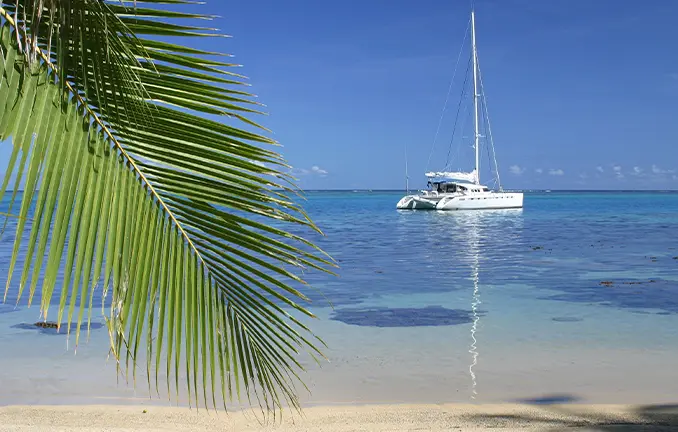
575	295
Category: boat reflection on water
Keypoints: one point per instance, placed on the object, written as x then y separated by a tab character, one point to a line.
467	232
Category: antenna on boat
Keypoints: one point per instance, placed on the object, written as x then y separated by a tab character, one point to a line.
407	177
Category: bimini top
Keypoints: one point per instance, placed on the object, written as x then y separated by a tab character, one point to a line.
471	177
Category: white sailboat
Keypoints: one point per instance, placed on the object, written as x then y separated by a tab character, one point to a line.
449	190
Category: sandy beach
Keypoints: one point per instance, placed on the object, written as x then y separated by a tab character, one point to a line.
449	417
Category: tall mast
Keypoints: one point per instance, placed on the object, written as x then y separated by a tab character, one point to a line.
475	91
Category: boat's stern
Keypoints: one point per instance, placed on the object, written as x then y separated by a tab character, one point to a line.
416	202
406	203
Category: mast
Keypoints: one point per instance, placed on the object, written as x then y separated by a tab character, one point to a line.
475	91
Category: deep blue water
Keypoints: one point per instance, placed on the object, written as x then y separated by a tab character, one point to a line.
560	247
564	242
571	271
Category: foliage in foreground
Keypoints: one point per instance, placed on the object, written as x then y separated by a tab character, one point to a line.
173	218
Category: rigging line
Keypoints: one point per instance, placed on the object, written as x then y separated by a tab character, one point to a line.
466	115
485	136
456	119
447	98
489	127
487	149
489	153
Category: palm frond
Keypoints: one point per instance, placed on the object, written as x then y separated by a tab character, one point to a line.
175	219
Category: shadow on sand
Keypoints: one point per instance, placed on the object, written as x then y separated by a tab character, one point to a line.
562	412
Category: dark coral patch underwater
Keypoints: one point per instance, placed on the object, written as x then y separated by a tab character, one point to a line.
404	317
49	328
566	319
655	294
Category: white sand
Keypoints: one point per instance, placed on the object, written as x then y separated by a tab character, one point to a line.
347	418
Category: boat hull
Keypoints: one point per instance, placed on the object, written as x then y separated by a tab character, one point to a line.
494	200
417	202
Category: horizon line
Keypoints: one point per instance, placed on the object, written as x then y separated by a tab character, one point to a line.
414	190
505	190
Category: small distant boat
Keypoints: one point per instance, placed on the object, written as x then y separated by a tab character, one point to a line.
463	190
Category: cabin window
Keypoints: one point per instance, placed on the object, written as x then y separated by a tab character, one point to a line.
486	189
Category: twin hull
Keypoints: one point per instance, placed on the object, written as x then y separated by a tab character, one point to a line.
491	200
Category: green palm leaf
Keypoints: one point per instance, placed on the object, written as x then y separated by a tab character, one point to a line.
176	219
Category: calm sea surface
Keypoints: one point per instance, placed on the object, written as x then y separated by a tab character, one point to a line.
483	306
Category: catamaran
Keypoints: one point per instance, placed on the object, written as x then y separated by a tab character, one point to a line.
460	190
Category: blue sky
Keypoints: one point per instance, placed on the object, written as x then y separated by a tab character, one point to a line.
581	93
586	89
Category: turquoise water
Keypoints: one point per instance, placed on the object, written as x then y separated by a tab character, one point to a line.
479	306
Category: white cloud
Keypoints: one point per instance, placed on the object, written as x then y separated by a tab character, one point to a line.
583	176
600	169
617	172
298	171
317	170
539	170
556	172
637	171
515	169
657	170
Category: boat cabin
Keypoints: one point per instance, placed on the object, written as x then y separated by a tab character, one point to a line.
452	187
